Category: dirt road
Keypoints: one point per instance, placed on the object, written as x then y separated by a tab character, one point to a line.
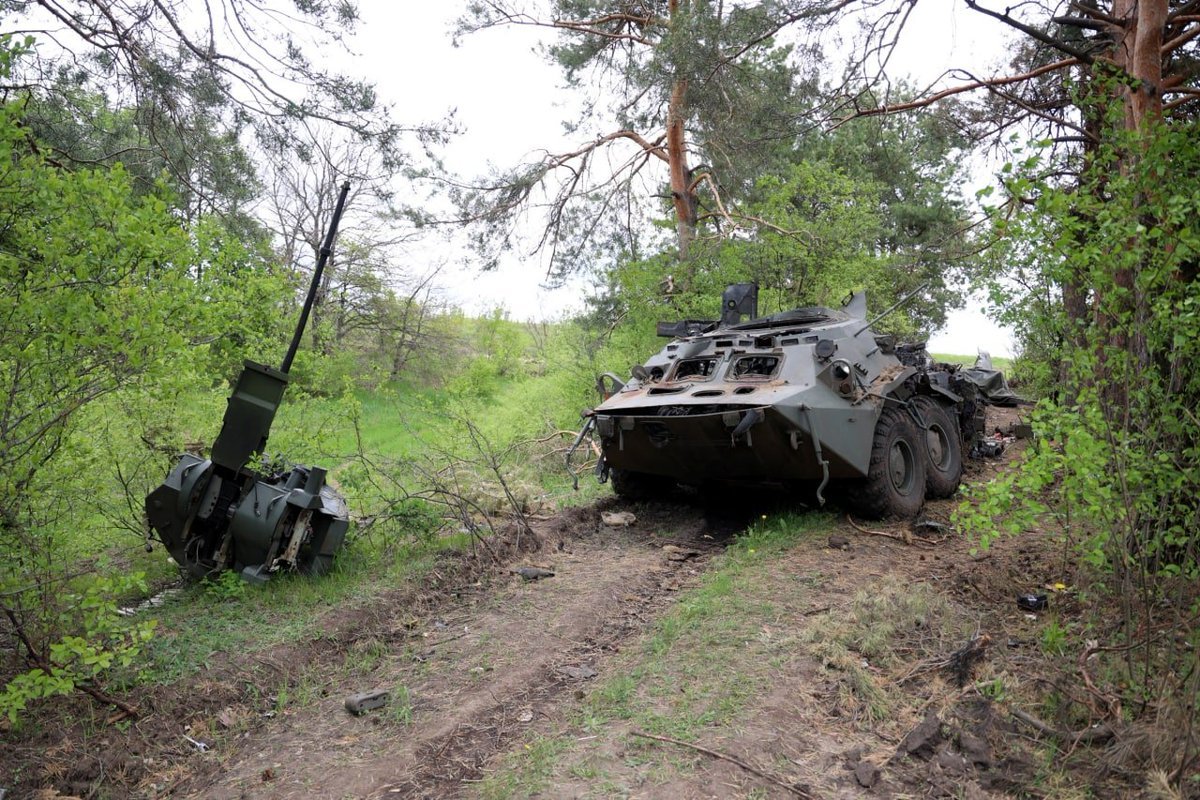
474	674
657	663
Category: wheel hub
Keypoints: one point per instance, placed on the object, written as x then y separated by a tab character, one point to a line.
938	448
900	467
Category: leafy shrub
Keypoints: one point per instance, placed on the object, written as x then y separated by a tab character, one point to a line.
103	640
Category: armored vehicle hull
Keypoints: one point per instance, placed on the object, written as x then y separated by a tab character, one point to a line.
806	395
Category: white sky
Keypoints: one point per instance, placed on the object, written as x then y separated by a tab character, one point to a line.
507	99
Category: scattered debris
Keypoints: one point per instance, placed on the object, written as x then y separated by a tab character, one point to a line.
988	448
866	773
149	603
532	573
361	703
679	553
1021	430
201	747
992	446
922	739
1032	601
618	519
839	542
928	527
579	673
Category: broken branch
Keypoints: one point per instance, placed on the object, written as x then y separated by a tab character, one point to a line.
732	760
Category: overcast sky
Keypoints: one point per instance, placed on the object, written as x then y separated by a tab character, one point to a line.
507	99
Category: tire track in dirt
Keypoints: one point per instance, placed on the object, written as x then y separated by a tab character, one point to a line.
478	684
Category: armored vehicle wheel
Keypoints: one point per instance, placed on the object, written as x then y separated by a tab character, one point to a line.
632	485
895	482
943	448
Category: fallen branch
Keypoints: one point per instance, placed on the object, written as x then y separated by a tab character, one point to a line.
1096	735
904	536
960	662
869	532
447	639
731	759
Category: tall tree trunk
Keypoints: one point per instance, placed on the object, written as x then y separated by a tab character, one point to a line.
1138	57
1139	54
683	194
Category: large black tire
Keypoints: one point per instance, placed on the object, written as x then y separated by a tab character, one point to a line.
895	482
636	486
943	448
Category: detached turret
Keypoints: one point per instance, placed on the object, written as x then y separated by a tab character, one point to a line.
218	513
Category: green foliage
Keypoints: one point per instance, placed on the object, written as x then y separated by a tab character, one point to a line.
1101	281
916	165
1118	452
225	586
111	311
104	642
495	354
1054	638
819	245
400	709
178	95
818	226
994	690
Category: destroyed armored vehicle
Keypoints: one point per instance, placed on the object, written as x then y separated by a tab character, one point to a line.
804	398
222	513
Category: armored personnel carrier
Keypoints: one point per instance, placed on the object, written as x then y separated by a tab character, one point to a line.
809	397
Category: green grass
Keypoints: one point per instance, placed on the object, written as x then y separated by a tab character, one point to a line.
196	627
400	710
539	756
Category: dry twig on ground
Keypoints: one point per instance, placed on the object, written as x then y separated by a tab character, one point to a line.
732	760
